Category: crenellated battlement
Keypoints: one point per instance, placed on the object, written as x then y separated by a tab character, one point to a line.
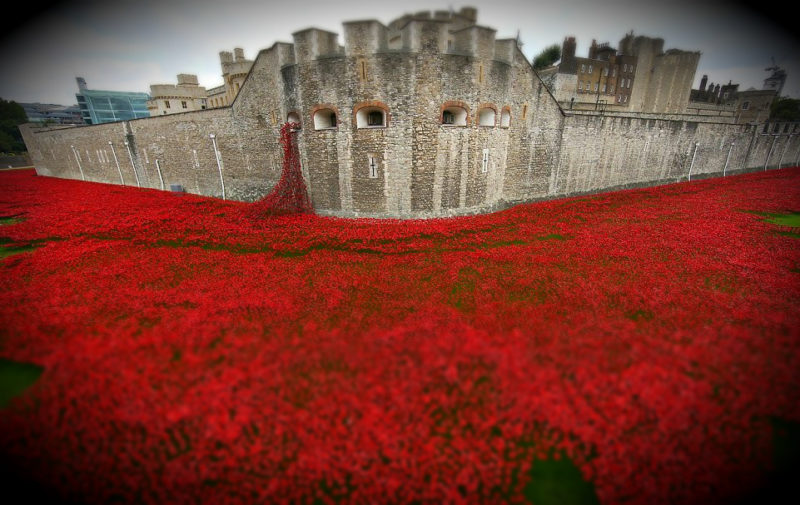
477	41
444	32
313	43
365	37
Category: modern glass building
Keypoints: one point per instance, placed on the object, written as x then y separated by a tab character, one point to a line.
108	106
52	113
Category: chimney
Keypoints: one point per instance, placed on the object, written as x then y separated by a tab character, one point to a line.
703	83
81	83
568	49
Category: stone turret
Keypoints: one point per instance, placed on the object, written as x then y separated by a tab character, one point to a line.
365	37
311	43
235	68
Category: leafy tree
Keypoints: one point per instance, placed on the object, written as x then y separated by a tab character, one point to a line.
11	115
547	57
785	109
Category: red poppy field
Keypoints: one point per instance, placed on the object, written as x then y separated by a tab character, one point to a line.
648	341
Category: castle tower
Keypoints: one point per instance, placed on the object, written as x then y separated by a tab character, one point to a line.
235	68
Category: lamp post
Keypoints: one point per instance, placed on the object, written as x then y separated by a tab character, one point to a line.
219	162
133	166
116	161
78	160
727	160
696	145
788	140
797	156
158	168
766	162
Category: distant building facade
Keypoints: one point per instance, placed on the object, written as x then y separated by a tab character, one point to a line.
715	94
52	113
185	96
108	106
604	78
753	105
741	107
638	77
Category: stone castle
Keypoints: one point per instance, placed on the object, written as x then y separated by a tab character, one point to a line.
429	116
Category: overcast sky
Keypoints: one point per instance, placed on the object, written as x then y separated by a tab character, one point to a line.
128	45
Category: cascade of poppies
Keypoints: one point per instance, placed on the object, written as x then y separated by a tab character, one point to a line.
289	196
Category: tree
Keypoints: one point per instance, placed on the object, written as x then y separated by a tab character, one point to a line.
11	116
785	109
547	57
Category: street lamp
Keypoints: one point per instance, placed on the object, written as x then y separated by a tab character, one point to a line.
219	163
724	170
78	160
766	162
130	155
696	145
116	161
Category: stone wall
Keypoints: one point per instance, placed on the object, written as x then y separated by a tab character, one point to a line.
617	152
160	152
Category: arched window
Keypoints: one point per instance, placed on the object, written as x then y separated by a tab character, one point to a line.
371	114
505	117
486	116
324	119
454	114
370	117
293	117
